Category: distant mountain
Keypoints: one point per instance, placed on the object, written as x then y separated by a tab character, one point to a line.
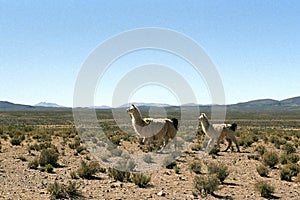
258	103
45	104
5	105
102	107
291	104
295	101
139	104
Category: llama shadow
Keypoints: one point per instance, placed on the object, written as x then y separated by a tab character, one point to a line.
230	184
221	197
273	197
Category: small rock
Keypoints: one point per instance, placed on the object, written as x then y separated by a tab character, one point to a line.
167	173
161	193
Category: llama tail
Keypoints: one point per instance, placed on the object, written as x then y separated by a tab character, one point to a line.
175	123
233	127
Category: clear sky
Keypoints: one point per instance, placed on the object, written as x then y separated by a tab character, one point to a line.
255	46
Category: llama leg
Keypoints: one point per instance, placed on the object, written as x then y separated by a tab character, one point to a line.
208	143
229	145
211	144
237	144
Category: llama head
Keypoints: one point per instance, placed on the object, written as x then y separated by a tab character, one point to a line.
132	109
233	126
202	117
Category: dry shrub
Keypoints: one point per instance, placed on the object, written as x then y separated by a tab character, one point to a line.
270	159
264	189
61	191
119	175
87	170
196	166
48	156
141	180
206	184
262	170
220	170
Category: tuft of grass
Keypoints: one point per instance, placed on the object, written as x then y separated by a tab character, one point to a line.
260	150
196	147
119	175
73	175
270	159
295	168
49	168
196	166
17	139
33	164
61	191
206	184
289	148
289	158
76	143
48	156
87	170
264	189
286	174
263	170
277	141
246	141
141	180
214	151
220	170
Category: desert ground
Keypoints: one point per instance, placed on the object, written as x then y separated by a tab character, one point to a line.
42	157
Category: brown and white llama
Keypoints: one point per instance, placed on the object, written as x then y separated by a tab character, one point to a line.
217	132
159	131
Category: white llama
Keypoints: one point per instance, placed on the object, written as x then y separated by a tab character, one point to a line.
153	130
217	132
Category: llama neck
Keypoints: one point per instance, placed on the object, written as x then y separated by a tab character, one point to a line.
204	124
137	119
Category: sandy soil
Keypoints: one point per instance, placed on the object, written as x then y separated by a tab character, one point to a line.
17	181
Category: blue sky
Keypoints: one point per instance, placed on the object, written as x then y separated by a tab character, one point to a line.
255	45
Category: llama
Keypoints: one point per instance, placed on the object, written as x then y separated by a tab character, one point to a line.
228	133
209	131
153	130
219	132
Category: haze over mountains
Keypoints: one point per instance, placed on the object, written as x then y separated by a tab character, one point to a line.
291	104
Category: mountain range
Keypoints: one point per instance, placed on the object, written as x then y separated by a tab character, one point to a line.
291	104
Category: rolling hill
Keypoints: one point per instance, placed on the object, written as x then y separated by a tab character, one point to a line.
291	104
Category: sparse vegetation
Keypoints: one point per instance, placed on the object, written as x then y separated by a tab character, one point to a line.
49	131
48	156
140	179
87	170
61	191
260	150
262	170
289	148
264	189
286	174
220	170
270	159
206	184
214	151
119	175
196	166
33	164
